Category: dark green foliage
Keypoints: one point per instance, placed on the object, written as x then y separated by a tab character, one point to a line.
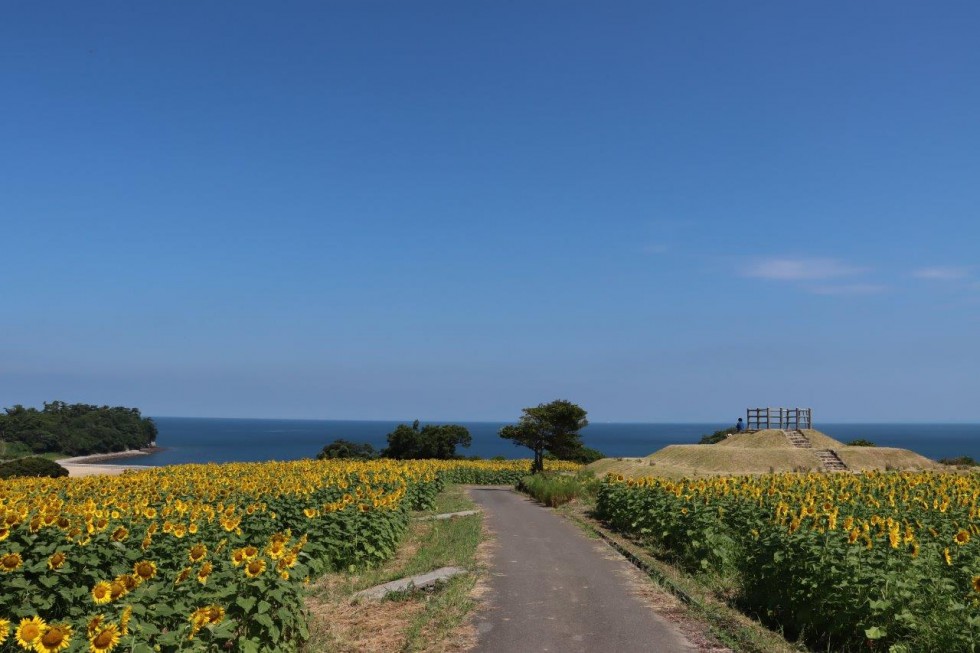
583	455
718	436
553	427
554	490
967	461
77	429
341	448
31	467
430	441
860	442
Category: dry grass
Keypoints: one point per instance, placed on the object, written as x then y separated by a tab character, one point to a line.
774	439
761	452
868	458
435	622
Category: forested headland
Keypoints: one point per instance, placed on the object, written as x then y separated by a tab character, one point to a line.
75	429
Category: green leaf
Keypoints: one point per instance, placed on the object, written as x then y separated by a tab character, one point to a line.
874	632
248	646
246	603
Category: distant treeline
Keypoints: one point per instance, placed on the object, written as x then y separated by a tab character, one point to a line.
76	429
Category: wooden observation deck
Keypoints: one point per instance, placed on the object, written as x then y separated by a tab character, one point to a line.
778	418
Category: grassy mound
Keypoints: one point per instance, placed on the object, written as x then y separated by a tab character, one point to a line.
761	452
774	439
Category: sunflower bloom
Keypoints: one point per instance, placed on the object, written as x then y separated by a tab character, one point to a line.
4	630
29	631
145	569
204	572
962	537
182	576
215	614
53	638
105	639
116	590
57	560
238	557
102	592
94	625
254	568
10	562
197	552
127	614
948	558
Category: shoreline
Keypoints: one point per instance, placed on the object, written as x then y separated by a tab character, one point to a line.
98	458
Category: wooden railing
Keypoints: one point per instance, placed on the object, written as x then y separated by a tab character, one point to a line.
778	418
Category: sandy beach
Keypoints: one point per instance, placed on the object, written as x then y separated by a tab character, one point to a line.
78	470
89	465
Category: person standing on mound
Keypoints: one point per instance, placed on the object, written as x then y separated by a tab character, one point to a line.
739	427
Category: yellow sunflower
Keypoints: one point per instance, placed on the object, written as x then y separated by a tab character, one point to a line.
254	568
948	558
975	581
127	614
94	624
962	537
238	557
215	614
116	590
4	630
102	592
197	552
120	534
204	572
182	576
29	631
145	569
105	639
53	638
10	562
129	581
250	552
57	560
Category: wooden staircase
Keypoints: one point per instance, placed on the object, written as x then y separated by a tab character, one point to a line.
798	439
829	460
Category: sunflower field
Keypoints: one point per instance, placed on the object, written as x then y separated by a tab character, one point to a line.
879	561
200	557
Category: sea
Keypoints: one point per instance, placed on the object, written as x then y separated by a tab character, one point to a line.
203	440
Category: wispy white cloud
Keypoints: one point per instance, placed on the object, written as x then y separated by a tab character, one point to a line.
800	269
942	273
848	289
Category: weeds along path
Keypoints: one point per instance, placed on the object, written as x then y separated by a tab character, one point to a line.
554	589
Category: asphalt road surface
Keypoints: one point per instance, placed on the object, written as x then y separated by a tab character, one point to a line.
554	589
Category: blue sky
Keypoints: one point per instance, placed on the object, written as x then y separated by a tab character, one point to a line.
451	210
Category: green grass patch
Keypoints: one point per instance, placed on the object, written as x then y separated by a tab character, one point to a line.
410	621
554	490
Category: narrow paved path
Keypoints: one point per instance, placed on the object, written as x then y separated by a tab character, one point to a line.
553	589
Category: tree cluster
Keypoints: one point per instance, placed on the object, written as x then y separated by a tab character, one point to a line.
77	429
31	467
430	441
406	443
553	427
346	449
550	430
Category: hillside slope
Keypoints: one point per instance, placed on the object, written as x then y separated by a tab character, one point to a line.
761	452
